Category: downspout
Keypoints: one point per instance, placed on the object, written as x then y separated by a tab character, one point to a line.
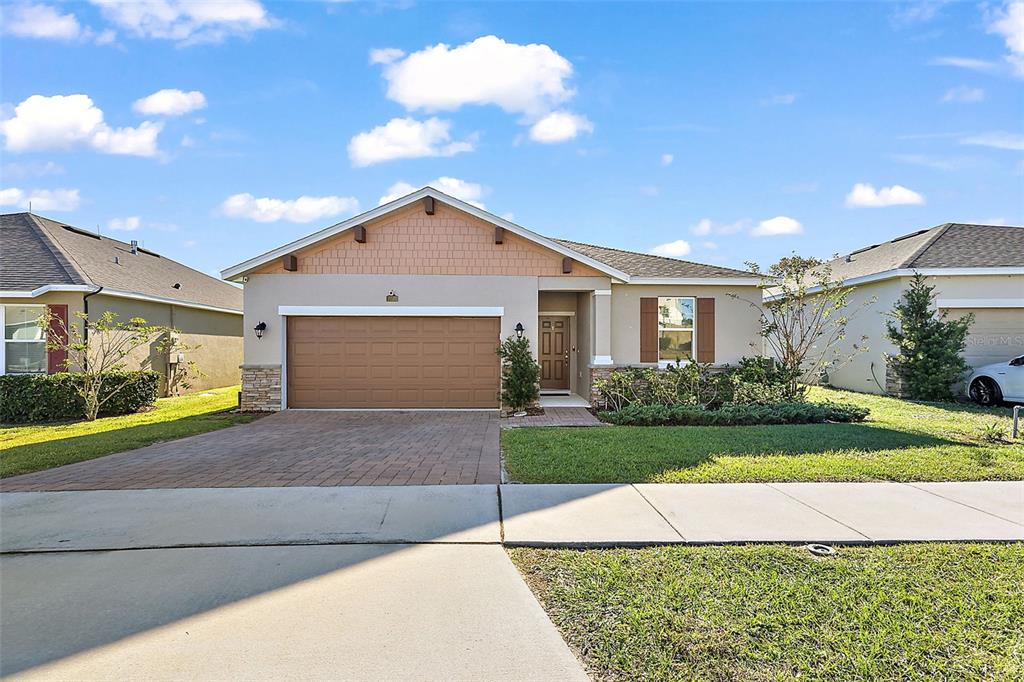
85	324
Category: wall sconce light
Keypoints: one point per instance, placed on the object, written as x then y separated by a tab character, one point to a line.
259	329
519	330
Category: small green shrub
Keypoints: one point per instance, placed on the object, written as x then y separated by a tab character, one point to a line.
53	397
736	415
520	374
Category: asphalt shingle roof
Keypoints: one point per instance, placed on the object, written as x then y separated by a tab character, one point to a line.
637	264
37	251
953	245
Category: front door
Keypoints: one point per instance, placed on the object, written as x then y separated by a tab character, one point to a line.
554	352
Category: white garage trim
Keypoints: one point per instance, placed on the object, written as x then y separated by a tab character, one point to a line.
390	311
980	303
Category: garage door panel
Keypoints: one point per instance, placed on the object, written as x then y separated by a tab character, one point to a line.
997	335
393	362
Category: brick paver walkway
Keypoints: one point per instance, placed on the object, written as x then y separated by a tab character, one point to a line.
555	416
298	448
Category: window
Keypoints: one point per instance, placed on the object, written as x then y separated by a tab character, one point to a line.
24	340
675	328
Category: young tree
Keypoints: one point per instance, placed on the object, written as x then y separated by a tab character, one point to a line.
929	346
93	349
520	375
804	317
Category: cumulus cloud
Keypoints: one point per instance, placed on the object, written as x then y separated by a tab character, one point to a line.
964	95
864	195
302	210
170	102
40	21
1008	22
996	139
129	224
64	122
470	192
779	225
41	199
559	126
667	159
406	138
676	249
186	21
385	55
524	79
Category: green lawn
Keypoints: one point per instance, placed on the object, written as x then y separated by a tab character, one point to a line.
901	441
908	612
24	449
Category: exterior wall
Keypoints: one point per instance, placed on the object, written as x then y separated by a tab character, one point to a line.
72	299
584	343
261	388
410	242
866	371
736	321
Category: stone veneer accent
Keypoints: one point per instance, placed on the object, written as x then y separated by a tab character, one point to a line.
894	384
261	388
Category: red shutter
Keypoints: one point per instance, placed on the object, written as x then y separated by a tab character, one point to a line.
56	360
648	330
705	330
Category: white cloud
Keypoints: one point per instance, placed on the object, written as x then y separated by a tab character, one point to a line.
188	141
702	227
969	63
40	21
32	169
996	139
170	102
667	159
778	225
964	95
706	226
189	243
918	12
710	246
41	199
385	55
864	195
302	210
933	162
186	21
559	126
1008	22
64	122
470	192
777	100
676	249
525	79
405	138
129	224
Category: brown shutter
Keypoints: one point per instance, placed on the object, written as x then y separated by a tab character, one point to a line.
648	330
56	360
705	330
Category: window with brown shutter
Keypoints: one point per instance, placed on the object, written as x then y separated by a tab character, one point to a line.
648	329
705	330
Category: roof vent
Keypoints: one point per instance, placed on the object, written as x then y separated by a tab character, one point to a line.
849	258
176	285
117	261
135	247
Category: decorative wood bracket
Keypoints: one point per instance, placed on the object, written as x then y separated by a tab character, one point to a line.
566	265
360	234
290	262
499	235
428	205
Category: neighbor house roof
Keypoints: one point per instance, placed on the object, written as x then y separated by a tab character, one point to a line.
953	246
625	266
42	253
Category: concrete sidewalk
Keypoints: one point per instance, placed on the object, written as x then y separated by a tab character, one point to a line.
540	515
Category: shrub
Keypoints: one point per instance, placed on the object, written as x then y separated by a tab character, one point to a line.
762	381
735	415
52	397
520	375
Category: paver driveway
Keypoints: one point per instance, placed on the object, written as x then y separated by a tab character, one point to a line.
300	448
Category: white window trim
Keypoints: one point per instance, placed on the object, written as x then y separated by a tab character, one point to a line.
5	340
693	330
389	311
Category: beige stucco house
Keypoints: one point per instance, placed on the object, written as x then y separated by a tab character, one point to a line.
48	264
403	307
975	269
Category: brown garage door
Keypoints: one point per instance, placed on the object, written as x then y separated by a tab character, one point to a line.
378	362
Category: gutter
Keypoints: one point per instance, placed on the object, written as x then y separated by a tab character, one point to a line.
85	330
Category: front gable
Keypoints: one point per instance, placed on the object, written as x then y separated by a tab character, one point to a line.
409	241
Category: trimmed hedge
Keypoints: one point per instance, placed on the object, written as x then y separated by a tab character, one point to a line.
735	415
53	397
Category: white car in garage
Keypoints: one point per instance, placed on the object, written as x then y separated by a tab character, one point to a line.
998	382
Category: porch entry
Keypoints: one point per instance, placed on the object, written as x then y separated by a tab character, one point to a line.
554	352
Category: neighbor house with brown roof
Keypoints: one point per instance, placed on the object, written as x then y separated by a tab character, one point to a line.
403	307
48	264
975	269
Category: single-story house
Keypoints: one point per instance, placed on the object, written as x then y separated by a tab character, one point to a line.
404	306
46	263
975	269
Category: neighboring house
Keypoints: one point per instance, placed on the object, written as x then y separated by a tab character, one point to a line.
45	263
975	269
404	306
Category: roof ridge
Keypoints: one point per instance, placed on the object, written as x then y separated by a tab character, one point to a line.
64	259
651	255
939	231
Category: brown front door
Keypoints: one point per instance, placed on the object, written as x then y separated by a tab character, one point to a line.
554	352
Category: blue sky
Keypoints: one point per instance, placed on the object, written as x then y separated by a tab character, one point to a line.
715	132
